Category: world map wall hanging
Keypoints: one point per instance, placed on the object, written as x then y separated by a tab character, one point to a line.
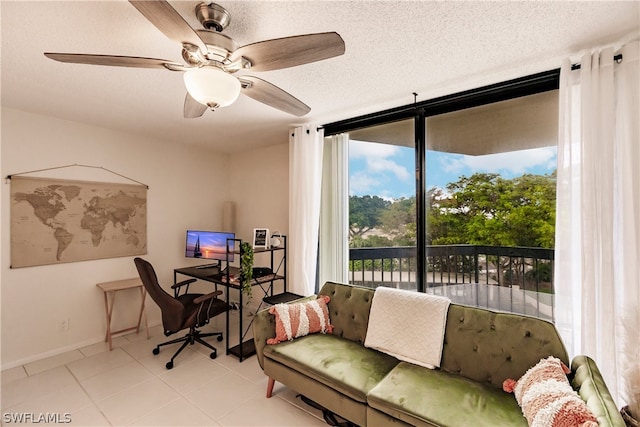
57	221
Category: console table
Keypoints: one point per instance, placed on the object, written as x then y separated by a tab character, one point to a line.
111	288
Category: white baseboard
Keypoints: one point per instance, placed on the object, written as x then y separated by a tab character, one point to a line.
57	351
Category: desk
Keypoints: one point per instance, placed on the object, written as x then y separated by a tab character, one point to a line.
214	275
110	288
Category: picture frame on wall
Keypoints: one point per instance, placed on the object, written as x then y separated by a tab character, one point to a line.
260	238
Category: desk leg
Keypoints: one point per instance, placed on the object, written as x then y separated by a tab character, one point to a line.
108	310
226	326
143	295
240	315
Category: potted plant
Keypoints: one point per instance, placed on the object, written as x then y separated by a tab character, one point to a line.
246	268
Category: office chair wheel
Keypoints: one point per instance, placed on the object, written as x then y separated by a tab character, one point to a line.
156	351
219	338
213	355
169	365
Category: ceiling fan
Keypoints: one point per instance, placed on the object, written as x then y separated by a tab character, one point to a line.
211	58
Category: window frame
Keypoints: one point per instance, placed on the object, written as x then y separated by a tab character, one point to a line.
419	111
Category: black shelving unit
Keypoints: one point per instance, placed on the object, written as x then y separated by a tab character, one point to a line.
246	347
281	298
228	275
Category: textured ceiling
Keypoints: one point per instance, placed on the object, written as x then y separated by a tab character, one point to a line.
392	49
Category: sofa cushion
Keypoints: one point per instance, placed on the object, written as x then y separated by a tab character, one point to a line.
299	319
422	396
349	310
341	364
490	347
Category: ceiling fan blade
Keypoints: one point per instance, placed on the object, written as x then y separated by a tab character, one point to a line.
291	51
115	61
192	108
267	93
161	14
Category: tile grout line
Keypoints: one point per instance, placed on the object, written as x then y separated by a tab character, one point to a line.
89	396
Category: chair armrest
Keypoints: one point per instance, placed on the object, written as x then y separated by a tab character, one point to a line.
177	286
587	380
207	297
183	283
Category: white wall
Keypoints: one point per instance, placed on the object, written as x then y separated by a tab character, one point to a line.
260	189
187	188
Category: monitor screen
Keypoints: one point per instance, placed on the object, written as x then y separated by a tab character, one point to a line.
209	245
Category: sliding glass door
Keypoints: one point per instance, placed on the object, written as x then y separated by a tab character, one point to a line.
490	204
382	205
456	195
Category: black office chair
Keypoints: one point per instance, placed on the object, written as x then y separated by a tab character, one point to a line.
182	311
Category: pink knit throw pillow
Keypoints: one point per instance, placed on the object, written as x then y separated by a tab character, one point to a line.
300	319
547	399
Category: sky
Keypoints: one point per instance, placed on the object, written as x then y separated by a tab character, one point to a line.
388	170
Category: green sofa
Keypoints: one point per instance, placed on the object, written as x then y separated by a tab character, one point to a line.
481	349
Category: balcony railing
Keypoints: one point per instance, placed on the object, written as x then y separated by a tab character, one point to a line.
512	279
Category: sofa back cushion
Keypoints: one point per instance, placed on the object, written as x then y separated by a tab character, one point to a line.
490	347
349	309
479	344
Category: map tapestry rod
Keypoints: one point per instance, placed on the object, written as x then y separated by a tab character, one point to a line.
8	177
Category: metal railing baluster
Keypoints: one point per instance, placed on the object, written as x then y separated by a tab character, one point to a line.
456	270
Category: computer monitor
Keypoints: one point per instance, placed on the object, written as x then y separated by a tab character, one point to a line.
210	245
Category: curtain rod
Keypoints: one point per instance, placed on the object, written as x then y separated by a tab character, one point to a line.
617	58
527	85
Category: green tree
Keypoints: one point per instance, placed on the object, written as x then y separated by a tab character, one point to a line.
444	225
399	221
533	216
364	213
486	209
483	209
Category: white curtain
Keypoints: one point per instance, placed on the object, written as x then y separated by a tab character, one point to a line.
334	213
305	178
598	210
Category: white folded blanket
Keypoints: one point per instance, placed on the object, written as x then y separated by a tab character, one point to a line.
408	325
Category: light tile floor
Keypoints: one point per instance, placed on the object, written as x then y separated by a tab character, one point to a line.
129	386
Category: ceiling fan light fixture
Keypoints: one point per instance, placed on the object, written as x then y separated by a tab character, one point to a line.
212	86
